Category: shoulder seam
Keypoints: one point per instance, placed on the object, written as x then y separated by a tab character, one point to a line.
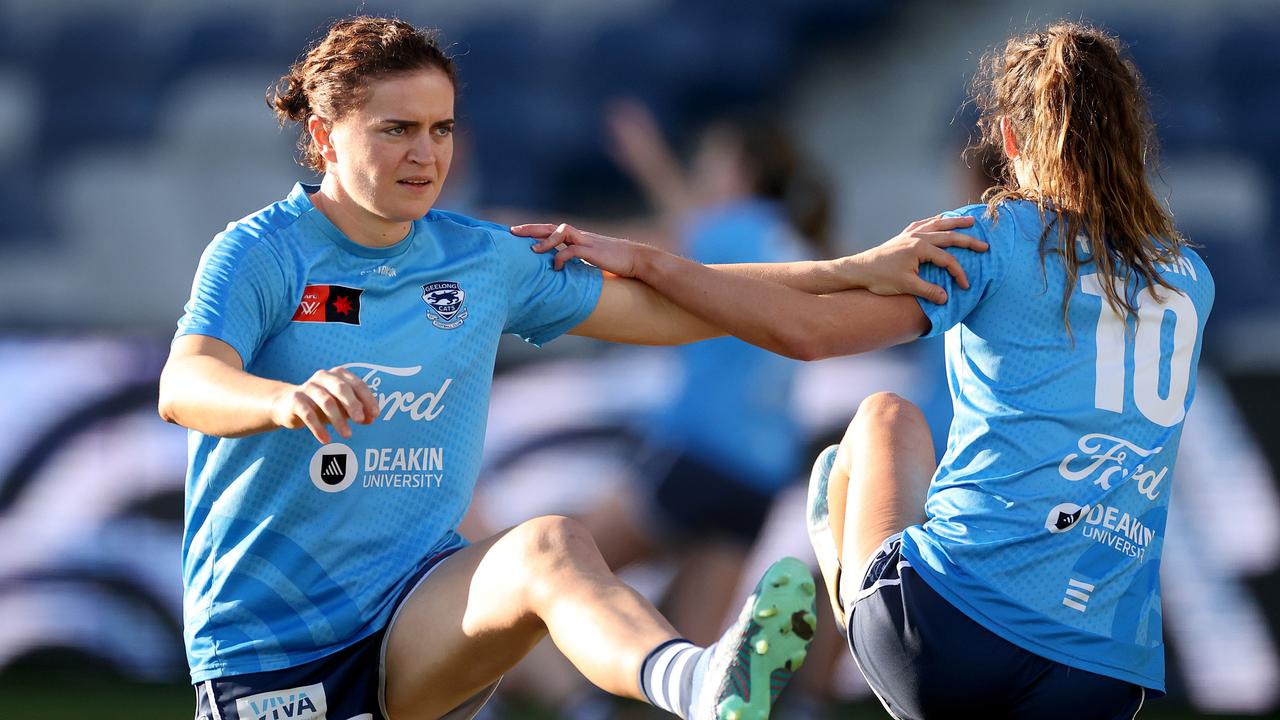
265	242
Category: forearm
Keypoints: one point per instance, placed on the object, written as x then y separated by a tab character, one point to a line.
811	276
783	319
205	394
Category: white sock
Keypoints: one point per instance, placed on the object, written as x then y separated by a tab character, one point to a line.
671	674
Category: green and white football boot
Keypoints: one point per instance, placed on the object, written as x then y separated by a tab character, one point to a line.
755	658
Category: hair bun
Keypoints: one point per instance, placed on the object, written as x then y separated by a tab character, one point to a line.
289	99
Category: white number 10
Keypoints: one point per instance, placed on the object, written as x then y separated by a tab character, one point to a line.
1109	376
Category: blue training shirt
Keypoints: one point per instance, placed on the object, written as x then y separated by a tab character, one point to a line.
1047	514
733	408
293	550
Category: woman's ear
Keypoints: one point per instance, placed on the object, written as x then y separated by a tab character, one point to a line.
1010	142
319	129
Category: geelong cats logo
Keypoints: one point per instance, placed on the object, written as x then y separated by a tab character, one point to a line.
445	300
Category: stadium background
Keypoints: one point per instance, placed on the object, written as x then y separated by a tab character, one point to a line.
131	131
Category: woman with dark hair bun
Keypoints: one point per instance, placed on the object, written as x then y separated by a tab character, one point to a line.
1020	577
334	365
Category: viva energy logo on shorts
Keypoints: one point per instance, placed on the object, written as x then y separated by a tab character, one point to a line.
334	467
300	703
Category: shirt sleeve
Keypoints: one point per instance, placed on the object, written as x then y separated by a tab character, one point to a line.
238	295
544	303
984	270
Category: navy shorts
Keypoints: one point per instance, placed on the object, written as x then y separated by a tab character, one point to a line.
346	685
926	659
697	498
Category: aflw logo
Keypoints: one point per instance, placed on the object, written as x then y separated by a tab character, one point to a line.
302	703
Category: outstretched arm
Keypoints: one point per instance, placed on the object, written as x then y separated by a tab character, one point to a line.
773	306
779	318
802	309
888	269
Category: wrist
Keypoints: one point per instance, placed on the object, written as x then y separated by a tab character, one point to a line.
278	405
648	262
851	269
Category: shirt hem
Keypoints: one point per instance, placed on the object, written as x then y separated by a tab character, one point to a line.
207	331
200	674
926	573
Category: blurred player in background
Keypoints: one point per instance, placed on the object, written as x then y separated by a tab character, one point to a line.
329	579
713	456
717	452
1032	590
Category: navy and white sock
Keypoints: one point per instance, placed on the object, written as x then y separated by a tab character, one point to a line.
671	674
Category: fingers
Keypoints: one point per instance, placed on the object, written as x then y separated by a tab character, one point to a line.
927	290
329	397
331	410
345	387
947	261
939	223
367	399
565	255
953	239
533	230
551	236
306	411
916	225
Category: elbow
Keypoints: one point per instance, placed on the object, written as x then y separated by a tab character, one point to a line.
804	346
166	409
822	341
167	405
807	352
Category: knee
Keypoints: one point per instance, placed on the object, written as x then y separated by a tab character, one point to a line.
550	543
552	553
889	410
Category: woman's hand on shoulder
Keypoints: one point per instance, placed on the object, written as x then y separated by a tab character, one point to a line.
614	255
893	268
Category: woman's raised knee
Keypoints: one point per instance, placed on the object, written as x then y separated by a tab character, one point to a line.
552	553
887	407
552	541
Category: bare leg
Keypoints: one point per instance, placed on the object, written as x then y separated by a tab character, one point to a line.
880	478
486	606
545	675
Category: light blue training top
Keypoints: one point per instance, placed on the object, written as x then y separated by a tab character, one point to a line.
1047	514
293	550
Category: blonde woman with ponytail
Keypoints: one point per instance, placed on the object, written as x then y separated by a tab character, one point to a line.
1020	577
